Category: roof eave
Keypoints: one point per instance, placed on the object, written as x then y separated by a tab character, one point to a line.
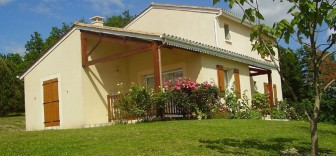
47	52
121	33
236	18
173	7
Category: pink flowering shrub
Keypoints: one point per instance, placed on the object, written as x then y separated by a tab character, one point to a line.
205	99
192	97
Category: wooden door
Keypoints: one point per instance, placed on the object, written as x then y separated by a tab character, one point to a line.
51	103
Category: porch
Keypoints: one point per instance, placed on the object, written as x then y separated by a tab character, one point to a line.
112	63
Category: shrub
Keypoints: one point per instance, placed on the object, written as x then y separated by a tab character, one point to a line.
204	99
289	108
138	102
278	113
260	103
160	99
192	98
253	114
179	92
237	108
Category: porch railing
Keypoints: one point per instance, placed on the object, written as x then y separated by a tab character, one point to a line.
112	111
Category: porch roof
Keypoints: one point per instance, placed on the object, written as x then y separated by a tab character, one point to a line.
164	38
178	42
215	51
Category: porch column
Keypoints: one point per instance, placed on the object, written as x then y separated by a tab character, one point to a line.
156	66
270	88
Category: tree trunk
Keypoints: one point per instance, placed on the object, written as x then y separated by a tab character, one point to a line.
313	135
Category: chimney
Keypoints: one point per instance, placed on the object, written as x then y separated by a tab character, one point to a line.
97	20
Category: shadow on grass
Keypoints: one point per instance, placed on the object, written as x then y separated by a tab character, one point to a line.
320	131
272	146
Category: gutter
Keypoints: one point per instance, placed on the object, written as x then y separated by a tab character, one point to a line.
215	25
194	46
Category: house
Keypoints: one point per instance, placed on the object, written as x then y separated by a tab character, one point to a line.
68	86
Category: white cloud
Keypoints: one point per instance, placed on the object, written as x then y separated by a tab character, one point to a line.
4	2
42	9
48	7
273	11
106	7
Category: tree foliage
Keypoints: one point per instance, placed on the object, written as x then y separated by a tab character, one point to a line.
55	34
11	92
296	71
34	48
119	20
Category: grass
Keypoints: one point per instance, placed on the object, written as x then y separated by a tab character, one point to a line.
183	137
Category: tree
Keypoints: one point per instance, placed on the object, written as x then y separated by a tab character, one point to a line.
310	18
55	34
293	73
296	70
119	21
11	92
34	48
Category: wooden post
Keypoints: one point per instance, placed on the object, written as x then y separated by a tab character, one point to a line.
109	100
84	49
156	65
270	88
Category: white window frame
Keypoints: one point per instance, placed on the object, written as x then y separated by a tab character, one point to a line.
227	35
164	73
226	78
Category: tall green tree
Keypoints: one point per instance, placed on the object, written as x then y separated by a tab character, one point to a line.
11	92
119	20
34	48
55	34
310	18
293	73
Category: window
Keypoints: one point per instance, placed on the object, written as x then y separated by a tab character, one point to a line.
170	75
227	32
226	73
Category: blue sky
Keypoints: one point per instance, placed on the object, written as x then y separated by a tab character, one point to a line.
20	18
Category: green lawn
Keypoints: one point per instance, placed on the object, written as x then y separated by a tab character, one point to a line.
205	137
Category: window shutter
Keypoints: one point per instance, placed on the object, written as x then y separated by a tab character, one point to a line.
237	82
47	103
275	94
265	88
220	76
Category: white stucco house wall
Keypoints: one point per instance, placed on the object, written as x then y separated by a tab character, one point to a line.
69	85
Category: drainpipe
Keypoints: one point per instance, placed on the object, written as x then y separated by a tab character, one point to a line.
160	67
215	26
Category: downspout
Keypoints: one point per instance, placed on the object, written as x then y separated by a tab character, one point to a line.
215	26
160	67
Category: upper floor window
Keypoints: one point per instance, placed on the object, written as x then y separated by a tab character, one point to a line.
227	32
